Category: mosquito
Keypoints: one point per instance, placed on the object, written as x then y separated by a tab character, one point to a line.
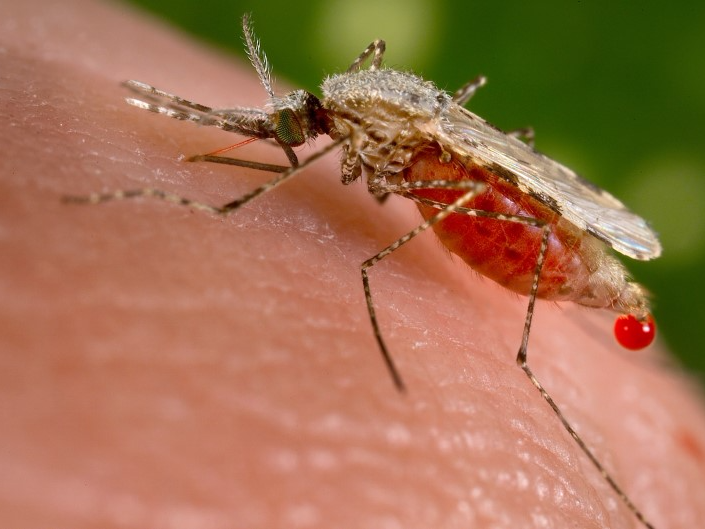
470	181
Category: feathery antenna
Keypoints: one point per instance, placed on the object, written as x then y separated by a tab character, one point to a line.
256	55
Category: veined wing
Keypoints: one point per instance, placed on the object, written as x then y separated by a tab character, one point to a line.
587	206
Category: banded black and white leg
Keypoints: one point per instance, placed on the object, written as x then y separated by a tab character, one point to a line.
376	49
379	186
525	134
226	209
464	94
522	362
406	190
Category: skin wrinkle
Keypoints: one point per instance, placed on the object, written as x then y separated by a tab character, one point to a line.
201	400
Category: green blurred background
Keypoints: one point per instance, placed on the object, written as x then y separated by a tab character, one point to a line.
614	90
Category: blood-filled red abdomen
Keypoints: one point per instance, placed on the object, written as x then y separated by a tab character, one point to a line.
505	251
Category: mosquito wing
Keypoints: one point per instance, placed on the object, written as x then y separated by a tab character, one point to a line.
587	206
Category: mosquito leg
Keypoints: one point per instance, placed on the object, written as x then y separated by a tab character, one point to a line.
268	167
522	362
290	154
448	210
235	204
405	189
97	198
377	48
379	186
472	212
464	94
525	134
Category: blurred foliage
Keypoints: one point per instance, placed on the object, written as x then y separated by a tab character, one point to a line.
615	90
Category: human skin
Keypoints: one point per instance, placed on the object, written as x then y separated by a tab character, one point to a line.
165	368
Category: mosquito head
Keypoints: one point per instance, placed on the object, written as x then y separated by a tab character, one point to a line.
298	117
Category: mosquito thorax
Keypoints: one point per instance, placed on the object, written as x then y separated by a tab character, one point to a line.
401	94
296	118
387	111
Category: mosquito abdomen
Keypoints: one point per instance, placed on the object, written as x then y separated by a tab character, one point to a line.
577	266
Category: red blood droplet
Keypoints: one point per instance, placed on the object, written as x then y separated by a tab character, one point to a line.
632	333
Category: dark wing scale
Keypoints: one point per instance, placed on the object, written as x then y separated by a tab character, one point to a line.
582	203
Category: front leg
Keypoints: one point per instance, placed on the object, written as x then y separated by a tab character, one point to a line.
351	165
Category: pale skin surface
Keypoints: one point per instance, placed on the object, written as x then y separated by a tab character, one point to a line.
164	368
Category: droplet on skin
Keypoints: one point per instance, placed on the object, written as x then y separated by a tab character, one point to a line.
633	333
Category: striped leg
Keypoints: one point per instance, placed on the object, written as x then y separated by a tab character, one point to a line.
97	198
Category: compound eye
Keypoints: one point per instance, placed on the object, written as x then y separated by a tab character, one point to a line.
289	130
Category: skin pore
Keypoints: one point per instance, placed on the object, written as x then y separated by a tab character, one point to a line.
166	368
